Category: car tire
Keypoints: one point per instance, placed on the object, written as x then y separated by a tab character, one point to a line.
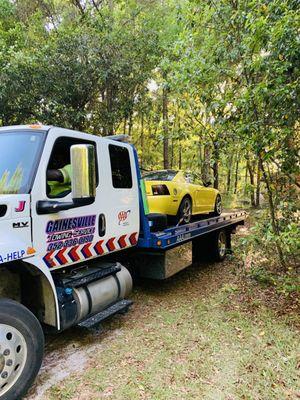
22	349
184	215
218	206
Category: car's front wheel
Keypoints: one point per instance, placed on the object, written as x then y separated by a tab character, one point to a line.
185	211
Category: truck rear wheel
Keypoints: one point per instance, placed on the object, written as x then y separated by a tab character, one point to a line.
211	247
220	246
21	349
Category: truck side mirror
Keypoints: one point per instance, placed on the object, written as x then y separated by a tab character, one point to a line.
83	161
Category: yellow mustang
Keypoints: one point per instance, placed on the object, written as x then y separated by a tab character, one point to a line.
173	193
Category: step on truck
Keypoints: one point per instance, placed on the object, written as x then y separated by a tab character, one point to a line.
68	250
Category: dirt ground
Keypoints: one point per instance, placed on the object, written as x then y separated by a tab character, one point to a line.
207	333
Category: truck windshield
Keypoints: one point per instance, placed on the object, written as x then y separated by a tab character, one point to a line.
19	152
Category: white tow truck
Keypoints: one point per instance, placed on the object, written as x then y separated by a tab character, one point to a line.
62	253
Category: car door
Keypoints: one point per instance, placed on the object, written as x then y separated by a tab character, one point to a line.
203	197
208	195
194	190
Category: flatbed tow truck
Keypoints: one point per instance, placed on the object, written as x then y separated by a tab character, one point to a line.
63	257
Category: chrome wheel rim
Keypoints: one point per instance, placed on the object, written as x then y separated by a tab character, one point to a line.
13	355
222	244
186	211
219	206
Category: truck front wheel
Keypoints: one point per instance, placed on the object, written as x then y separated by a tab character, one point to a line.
21	349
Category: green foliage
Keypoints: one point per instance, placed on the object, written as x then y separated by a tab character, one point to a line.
218	82
284	284
262	236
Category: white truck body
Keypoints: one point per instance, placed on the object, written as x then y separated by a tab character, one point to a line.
54	241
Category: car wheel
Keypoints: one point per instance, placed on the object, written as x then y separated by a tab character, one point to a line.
185	211
218	206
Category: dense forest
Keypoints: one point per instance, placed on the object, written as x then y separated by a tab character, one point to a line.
208	86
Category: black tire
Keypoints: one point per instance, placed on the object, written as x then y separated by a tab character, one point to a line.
159	222
218	206
184	215
219	246
18	324
212	247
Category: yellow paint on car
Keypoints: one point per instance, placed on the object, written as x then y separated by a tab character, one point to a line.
203	198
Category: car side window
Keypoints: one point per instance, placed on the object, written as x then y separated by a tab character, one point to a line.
120	167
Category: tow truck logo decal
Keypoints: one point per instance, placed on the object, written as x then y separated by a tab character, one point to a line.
64	256
122	217
70	232
21	206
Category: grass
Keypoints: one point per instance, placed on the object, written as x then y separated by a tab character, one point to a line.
192	337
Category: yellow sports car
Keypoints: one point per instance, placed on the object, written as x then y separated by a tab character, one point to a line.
173	193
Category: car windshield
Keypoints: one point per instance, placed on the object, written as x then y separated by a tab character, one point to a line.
19	152
167	175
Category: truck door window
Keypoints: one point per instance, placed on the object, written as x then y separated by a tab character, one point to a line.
120	167
59	171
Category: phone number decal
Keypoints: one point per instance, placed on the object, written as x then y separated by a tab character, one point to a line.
69	232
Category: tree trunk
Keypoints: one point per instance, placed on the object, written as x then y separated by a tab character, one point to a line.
274	223
130	124
229	167
165	126
206	164
142	139
251	175
216	164
246	180
109	106
258	177
172	152
179	156
236	178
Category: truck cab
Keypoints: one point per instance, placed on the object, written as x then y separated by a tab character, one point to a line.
98	214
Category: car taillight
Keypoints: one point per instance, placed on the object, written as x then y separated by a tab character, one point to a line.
160	190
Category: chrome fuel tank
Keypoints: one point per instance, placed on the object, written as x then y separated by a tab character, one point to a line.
97	295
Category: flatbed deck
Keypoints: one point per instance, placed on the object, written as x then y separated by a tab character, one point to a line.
176	235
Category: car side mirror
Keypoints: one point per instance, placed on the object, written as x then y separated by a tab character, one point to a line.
207	184
83	162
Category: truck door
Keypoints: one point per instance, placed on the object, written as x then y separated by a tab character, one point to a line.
109	224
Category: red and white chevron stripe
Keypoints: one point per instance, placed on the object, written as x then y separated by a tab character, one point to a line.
70	255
